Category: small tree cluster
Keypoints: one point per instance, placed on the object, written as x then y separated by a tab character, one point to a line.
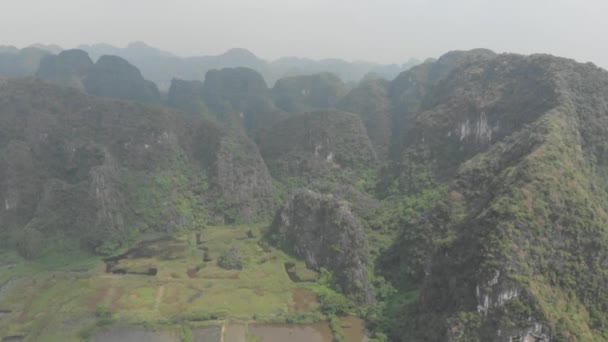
230	260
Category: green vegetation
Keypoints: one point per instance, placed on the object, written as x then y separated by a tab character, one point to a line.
187	335
332	303
30	243
299	94
65	287
466	197
104	315
318	150
168	195
336	327
230	260
521	219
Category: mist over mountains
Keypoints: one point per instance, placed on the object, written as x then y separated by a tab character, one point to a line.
161	66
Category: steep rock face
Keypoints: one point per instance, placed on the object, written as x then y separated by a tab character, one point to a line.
298	94
102	170
370	99
187	96
68	68
326	151
471	109
239	98
521	230
242	181
412	89
116	78
324	232
317	144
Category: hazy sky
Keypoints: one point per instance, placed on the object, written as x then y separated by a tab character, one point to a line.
375	30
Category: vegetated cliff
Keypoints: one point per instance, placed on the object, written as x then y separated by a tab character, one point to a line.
322	144
297	94
240	99
103	170
327	151
242	182
110	77
409	91
515	248
370	99
323	231
187	96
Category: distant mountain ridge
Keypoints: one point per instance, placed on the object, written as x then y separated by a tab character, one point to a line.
160	66
111	76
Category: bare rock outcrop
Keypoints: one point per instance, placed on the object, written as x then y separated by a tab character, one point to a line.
323	231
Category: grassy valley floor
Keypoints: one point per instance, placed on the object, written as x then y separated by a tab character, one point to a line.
162	284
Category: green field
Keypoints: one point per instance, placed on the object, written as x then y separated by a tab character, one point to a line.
71	297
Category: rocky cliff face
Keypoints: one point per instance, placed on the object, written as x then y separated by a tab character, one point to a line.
412	89
187	96
240	99
520	230
102	170
323	231
297	94
317	144
242	182
474	107
370	99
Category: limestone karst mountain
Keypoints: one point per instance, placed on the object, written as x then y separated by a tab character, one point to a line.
71	161
110	76
68	68
370	99
515	142
324	232
299	94
240	98
161	66
20	62
462	201
325	144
